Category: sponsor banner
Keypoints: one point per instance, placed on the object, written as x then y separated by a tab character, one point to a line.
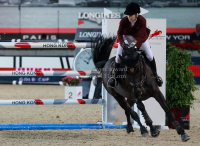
98	16
85	35
157	41
30	79
33	36
197	80
185	117
196	70
174	35
178	37
182	116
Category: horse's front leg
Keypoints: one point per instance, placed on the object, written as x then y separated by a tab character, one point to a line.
124	104
154	131
161	100
137	95
129	127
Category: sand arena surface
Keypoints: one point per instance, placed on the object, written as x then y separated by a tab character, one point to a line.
76	114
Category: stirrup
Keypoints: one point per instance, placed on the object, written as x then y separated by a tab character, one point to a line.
112	82
159	81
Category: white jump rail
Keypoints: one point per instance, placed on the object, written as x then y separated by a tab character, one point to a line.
49	73
47	45
51	101
67	45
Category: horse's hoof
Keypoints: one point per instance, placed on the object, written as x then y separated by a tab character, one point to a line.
129	129
185	137
144	131
145	134
155	133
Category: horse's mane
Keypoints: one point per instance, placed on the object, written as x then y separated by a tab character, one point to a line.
101	48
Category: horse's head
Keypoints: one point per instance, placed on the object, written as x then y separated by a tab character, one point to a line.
131	57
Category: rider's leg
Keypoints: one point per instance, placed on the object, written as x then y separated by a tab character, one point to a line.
113	81
146	48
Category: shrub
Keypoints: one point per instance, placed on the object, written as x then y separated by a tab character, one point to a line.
180	81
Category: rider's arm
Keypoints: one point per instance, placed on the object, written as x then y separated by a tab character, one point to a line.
121	31
142	33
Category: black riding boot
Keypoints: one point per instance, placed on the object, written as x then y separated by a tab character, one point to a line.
113	80
154	70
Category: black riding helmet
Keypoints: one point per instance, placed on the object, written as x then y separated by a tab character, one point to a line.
132	9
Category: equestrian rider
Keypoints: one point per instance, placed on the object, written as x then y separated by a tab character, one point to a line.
132	28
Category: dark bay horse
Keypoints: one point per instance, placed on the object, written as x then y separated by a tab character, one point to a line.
138	85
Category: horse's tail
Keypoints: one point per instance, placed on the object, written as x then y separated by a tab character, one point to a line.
101	48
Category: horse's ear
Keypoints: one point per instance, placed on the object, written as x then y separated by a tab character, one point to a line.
122	58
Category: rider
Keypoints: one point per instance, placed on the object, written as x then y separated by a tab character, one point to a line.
132	28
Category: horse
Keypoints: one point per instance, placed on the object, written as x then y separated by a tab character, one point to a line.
139	85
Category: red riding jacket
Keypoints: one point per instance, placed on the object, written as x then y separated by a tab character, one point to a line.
139	31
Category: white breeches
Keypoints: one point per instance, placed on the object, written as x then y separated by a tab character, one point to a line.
128	39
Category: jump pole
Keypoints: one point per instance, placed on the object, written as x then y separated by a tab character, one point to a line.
58	126
34	69
51	101
49	73
47	45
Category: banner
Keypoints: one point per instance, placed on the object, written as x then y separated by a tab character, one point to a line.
85	35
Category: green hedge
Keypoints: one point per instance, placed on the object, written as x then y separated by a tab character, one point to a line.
180	81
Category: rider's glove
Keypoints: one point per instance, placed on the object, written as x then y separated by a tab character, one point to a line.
136	48
124	45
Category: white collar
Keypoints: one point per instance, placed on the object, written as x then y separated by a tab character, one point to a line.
133	22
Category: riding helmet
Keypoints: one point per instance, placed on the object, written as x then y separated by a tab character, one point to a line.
132	9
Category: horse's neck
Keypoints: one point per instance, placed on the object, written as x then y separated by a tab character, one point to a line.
137	77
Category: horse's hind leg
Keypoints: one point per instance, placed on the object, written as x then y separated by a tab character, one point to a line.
160	98
154	131
124	104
